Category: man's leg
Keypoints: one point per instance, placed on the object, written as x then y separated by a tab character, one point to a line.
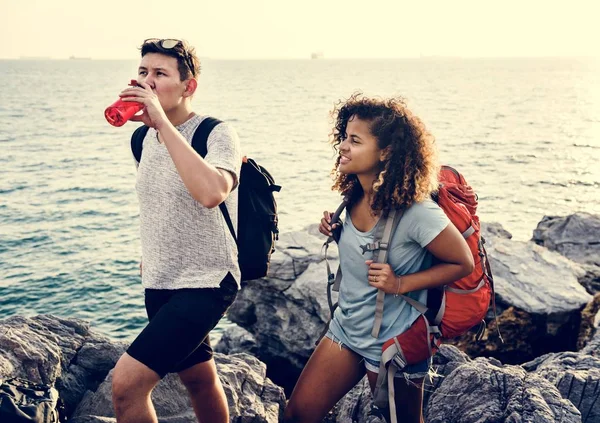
206	392
132	384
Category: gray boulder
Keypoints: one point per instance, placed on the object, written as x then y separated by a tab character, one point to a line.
59	352
484	392
287	311
251	396
494	229
577	377
481	390
539	301
588	330
576	236
237	340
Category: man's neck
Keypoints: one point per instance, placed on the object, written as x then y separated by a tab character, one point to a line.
181	115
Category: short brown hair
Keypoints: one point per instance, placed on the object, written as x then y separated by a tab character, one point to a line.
188	63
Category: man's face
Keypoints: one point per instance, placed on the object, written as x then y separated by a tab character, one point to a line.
162	74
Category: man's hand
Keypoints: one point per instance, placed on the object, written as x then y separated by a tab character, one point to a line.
153	115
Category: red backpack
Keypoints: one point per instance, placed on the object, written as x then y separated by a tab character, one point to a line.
452	309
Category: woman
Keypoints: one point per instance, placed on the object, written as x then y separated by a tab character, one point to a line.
387	159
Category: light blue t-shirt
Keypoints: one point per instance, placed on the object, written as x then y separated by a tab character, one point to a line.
353	319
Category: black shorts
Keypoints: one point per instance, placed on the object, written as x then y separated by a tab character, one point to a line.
176	338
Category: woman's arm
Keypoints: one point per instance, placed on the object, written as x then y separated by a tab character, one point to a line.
449	247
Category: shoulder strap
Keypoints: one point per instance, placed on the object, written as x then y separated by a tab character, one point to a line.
137	141
383	236
200	138
200	145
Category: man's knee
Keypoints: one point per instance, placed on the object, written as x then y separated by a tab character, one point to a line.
131	380
200	378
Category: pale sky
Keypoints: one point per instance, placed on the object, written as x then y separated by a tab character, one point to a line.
282	29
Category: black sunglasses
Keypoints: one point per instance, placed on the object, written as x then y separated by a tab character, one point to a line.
169	44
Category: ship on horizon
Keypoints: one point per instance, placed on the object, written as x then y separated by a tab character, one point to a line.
317	55
79	58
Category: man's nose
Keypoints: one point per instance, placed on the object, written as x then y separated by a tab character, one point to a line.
148	79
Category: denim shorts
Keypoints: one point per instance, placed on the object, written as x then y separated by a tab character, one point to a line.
411	371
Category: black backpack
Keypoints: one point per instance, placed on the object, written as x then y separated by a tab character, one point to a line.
257	208
22	401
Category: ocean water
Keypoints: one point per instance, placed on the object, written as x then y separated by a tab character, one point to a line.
524	132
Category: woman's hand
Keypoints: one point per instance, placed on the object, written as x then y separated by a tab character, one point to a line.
325	227
381	276
153	115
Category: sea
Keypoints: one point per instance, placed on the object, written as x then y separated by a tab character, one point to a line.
525	132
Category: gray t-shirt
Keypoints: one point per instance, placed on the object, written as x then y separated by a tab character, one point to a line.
184	244
353	319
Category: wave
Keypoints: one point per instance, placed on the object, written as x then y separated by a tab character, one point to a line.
570	183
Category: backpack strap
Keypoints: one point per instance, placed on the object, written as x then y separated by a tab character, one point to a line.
380	246
137	141
333	280
200	145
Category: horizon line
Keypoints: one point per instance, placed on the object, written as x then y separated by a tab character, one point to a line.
433	56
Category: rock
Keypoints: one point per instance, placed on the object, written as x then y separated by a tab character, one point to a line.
356	406
55	351
295	251
591	279
577	377
287	311
576	236
483	391
538	299
535	279
494	229
237	340
251	396
589	322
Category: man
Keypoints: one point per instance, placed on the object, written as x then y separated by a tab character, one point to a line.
190	270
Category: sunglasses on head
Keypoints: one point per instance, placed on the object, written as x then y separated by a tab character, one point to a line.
169	44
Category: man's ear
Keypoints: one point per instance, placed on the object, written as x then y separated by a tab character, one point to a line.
190	88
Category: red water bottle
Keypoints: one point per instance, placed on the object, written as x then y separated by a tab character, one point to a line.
120	111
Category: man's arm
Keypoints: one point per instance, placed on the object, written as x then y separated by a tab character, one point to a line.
205	183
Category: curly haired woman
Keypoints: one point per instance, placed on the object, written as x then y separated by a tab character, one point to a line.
386	159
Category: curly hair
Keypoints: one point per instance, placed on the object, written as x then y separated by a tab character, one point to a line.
409	174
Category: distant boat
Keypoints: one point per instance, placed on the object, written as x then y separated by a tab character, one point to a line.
317	55
79	58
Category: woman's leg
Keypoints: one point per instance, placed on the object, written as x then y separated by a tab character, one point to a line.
330	373
409	398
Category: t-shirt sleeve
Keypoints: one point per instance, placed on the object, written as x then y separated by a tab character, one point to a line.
223	147
427	221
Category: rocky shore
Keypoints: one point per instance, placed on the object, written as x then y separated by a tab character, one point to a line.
546	370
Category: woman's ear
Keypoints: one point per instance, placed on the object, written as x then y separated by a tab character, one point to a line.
190	88
385	154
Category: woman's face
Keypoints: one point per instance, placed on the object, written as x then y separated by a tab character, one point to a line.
359	152
162	74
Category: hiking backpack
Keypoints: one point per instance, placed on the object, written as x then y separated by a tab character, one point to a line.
451	310
257	208
22	401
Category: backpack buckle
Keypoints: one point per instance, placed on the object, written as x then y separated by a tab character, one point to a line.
372	246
